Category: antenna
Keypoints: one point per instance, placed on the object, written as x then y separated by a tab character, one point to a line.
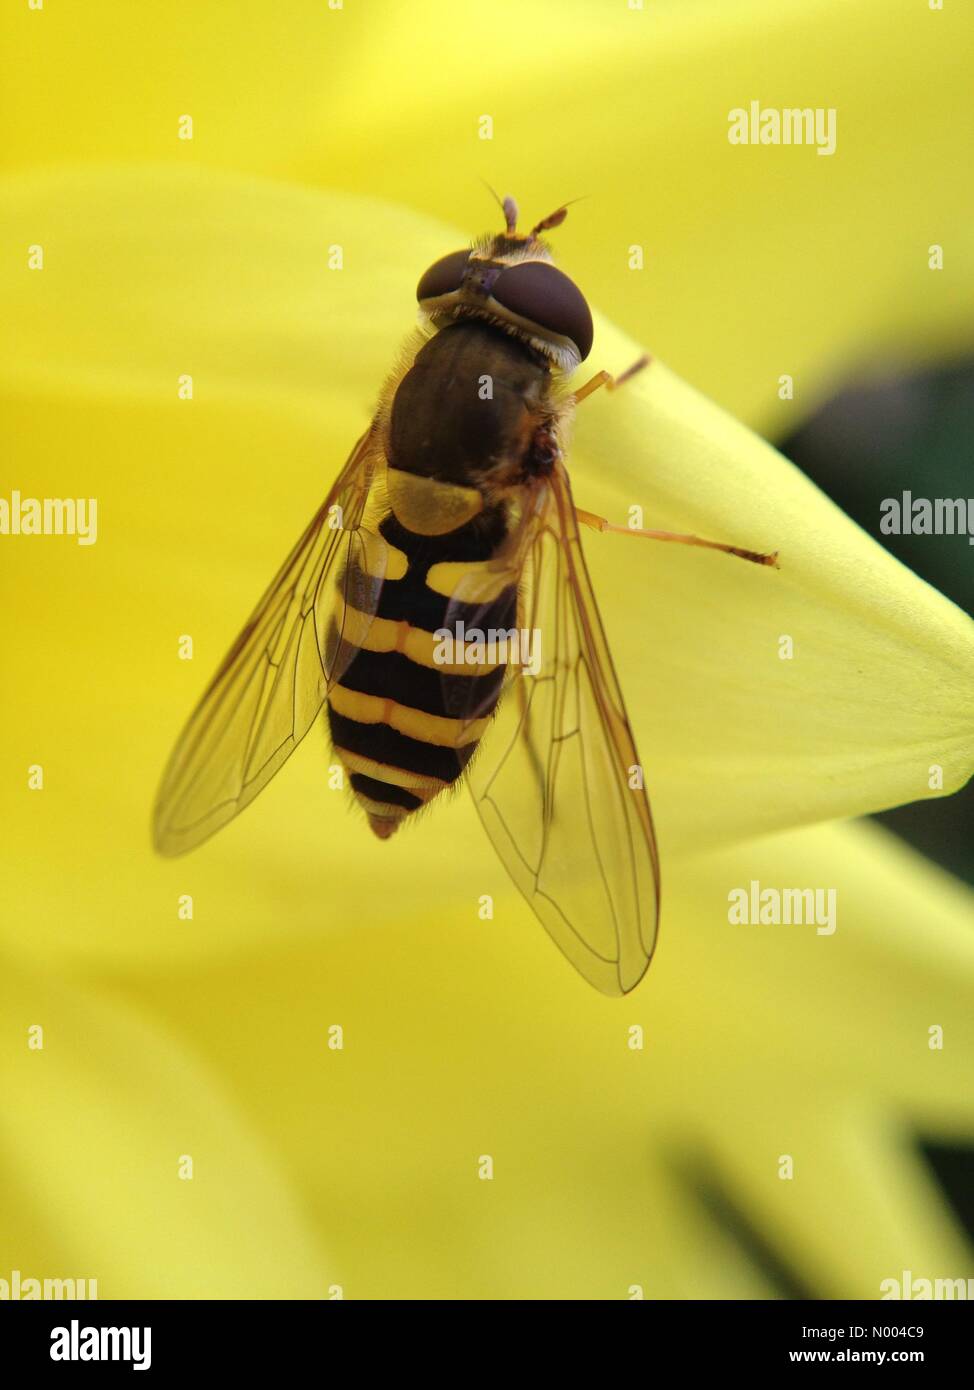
555	219
507	206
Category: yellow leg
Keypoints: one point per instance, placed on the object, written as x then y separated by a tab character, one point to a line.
599	523
611	383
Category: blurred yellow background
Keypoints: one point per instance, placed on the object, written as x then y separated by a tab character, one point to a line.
316	1169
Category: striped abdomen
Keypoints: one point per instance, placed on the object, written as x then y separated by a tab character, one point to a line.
393	713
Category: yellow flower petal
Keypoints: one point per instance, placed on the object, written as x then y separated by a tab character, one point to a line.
875	704
99	1124
613	1165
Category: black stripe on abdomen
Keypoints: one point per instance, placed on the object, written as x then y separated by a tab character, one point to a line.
410	599
385	745
428	688
385	792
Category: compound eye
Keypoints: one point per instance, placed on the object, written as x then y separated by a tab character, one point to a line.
542	294
443	277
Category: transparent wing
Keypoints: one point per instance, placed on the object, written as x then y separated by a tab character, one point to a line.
558	783
272	683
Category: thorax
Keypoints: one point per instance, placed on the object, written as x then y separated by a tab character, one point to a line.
476	408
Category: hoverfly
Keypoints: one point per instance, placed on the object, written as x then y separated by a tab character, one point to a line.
455	509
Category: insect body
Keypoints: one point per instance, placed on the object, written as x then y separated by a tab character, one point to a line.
475	405
454	516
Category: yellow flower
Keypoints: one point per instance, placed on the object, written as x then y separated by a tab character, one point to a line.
128	1164
208	1037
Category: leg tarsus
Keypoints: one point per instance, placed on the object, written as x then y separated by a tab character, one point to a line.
599	523
611	383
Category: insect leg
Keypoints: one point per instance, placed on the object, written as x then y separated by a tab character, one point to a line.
611	383
599	523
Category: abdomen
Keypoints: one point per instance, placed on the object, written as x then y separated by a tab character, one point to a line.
393	714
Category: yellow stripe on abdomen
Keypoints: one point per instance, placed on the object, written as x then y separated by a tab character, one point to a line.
482	580
414	723
414	782
385	635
